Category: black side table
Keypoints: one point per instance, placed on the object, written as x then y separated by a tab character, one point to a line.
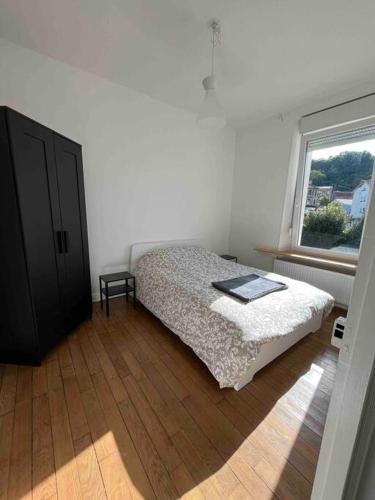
229	257
111	291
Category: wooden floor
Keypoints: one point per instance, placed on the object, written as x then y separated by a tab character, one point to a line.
123	409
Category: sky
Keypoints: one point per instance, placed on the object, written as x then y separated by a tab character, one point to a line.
336	150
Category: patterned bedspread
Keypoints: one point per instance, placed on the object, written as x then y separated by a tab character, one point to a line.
226	334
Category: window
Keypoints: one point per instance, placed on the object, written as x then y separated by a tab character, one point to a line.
333	190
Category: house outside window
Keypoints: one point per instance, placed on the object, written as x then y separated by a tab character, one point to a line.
360	199
333	190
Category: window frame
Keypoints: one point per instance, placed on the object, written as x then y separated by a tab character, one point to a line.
303	174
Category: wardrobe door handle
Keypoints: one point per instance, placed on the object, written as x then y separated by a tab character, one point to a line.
65	240
59	241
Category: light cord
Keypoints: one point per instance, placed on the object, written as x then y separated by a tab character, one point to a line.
215	41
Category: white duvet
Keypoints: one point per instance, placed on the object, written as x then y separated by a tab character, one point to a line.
226	334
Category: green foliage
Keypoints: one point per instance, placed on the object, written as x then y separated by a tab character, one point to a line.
352	234
317	177
330	219
324	201
343	171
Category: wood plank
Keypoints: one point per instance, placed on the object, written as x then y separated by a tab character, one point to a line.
117	360
158	475
44	480
133	364
2	368
226	479
137	477
287	414
256	487
8	389
63	354
80	367
219	430
240	454
89	354
197	468
118	484
40	384
265	437
54	380
106	365
239	493
269	446
20	485
88	469
291	404
118	389
253	409
174	383
77	416
120	339
95	341
158	435
24	383
104	441
68	485
282	481
185	484
6	427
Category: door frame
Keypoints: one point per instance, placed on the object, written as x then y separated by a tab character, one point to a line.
356	360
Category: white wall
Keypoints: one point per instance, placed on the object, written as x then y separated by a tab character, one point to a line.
367	482
150	172
260	182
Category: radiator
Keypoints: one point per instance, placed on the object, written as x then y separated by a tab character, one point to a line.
337	284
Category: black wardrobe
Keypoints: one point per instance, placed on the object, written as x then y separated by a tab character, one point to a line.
44	261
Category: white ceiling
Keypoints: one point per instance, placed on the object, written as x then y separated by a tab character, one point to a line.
276	54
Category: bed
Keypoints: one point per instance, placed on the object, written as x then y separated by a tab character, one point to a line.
234	339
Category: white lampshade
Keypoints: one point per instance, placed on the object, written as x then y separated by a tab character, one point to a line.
211	114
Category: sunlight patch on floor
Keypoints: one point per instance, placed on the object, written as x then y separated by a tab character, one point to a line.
308	397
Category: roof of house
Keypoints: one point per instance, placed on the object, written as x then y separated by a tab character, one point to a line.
343	195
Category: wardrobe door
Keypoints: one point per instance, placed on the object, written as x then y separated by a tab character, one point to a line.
35	174
17	327
76	286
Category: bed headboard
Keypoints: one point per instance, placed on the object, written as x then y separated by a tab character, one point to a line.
137	250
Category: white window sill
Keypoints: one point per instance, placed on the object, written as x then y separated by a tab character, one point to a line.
337	264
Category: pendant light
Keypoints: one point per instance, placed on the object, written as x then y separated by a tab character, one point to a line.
211	114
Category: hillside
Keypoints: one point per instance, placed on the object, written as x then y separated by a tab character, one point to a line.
344	171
